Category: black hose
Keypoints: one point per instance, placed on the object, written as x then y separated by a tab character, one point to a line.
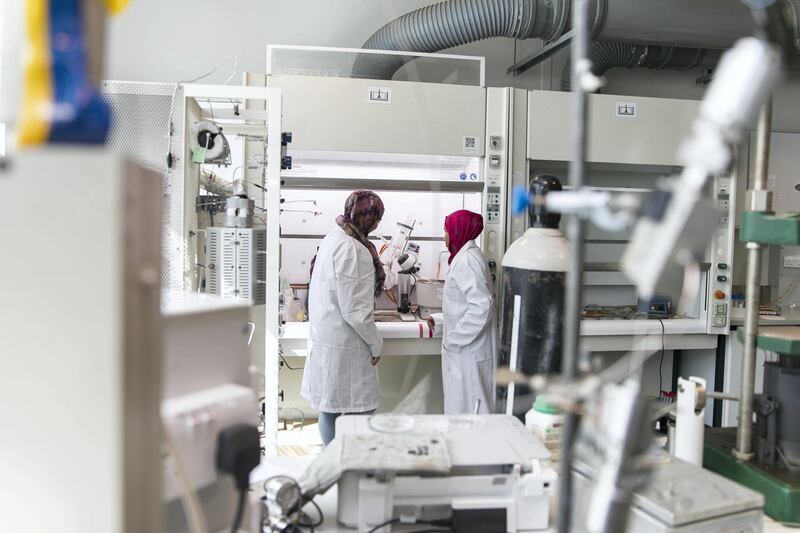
606	55
237	518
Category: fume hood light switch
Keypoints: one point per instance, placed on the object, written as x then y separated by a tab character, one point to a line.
494	161
721	309
495	142
720	320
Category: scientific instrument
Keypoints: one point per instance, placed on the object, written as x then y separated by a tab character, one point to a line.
208	143
236	263
394	250
483	468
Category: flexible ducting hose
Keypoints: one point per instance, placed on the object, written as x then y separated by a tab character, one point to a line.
456	22
606	55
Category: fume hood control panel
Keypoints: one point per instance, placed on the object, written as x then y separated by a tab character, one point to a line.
498	131
720	280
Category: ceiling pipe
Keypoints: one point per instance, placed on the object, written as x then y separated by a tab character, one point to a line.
707	24
455	22
607	55
714	24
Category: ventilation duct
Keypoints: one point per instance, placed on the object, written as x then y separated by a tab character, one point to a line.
607	55
708	24
456	22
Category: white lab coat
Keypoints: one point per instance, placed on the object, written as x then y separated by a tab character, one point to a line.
469	342
339	376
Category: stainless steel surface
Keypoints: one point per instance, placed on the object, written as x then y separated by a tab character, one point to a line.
744	433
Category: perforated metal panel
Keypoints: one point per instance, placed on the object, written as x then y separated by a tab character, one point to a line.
227	266
235	268
245	263
141	129
212	260
260	241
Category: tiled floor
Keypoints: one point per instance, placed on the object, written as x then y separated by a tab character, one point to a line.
299	439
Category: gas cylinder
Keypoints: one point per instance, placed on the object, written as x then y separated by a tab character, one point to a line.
533	273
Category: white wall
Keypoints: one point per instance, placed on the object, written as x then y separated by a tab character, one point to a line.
173	40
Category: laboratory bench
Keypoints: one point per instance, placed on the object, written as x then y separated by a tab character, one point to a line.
417	338
400	338
789	317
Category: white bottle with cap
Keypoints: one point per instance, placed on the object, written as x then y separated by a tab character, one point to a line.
544	421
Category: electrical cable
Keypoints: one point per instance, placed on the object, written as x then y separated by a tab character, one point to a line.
302	415
191	505
786	292
311	525
661	362
387	523
175	93
440	529
287	365
216	68
237	517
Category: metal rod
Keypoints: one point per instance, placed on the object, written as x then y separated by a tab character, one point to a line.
744	433
545	52
721	396
576	233
762	147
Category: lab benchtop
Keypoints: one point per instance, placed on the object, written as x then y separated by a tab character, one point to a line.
421	330
176	303
415	338
788	317
418	329
400	338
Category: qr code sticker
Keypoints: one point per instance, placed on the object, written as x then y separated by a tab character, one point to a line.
471	145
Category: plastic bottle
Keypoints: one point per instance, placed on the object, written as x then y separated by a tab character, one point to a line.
544	422
286	299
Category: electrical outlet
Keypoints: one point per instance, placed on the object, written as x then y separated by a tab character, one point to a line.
791	261
493	216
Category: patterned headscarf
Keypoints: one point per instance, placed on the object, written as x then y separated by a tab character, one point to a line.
461	226
363	211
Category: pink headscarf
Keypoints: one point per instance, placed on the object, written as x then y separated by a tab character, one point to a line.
461	226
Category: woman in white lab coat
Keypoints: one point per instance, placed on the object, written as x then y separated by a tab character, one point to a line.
469	338
344	345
